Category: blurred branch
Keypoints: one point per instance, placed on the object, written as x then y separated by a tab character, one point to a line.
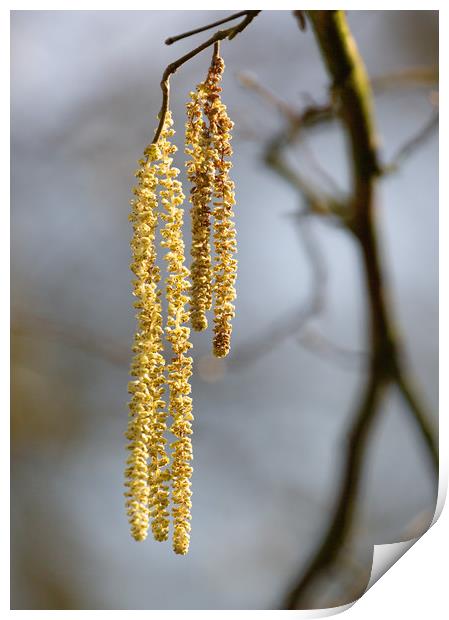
317	202
410	147
341	521
72	335
311	116
220	35
351	88
301	19
411	77
418	413
312	340
252	83
291	323
315	115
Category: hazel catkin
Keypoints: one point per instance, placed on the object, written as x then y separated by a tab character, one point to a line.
225	267
200	172
177	333
146	408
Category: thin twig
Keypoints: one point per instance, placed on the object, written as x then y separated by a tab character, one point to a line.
311	116
411	77
315	342
292	322
251	83
301	19
319	202
72	335
415	407
412	144
190	33
220	35
326	177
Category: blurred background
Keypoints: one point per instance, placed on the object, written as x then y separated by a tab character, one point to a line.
269	422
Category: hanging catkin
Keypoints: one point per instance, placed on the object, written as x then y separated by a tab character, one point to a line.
177	333
149	473
225	267
147	417
200	172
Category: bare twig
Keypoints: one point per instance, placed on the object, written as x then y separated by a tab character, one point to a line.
76	336
301	19
418	414
410	147
325	176
190	33
315	342
296	321
251	83
318	202
411	77
220	35
292	322
311	116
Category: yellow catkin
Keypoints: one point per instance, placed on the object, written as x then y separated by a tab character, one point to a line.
145	488
177	332
225	267
200	172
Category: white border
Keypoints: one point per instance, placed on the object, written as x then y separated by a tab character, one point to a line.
416	584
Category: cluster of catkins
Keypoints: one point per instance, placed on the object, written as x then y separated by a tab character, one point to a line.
158	475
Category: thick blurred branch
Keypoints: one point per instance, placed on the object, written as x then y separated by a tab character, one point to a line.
352	93
341	522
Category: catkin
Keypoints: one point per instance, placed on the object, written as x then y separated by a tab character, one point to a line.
147	418
225	267
149	472
180	368
200	172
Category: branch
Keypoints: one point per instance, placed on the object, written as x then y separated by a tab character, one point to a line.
409	147
250	82
301	19
418	414
292	322
220	35
297	121
340	523
73	335
352	93
410	77
171	40
315	342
